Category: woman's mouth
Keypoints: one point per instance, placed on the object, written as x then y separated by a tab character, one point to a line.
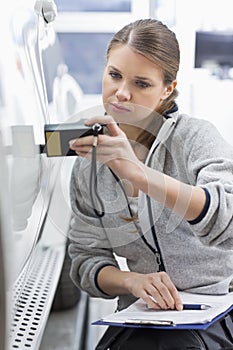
119	108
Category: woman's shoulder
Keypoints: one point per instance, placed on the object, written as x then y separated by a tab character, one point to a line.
188	127
187	122
199	133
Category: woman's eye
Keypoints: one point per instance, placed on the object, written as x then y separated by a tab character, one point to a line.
115	75
142	84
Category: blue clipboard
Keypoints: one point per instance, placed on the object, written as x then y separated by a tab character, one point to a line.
163	324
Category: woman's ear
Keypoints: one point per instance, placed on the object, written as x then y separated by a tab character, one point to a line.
169	89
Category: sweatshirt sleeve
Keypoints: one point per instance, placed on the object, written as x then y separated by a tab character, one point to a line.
210	164
89	247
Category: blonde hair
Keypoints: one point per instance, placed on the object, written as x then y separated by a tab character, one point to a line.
155	41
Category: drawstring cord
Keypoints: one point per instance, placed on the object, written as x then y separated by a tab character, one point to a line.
97	202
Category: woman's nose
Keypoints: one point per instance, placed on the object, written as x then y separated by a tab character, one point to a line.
123	93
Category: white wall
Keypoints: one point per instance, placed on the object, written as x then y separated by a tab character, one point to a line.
201	94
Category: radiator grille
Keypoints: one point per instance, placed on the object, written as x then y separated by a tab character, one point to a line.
32	298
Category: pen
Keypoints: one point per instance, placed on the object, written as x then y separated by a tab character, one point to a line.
195	307
189	306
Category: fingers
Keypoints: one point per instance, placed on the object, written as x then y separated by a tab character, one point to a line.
160	293
169	292
107	145
82	146
150	301
108	121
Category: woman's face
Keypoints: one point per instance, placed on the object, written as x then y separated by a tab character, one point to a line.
132	85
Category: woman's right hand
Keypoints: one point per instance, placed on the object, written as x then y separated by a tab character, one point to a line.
156	289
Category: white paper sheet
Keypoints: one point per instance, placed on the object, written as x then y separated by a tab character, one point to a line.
140	312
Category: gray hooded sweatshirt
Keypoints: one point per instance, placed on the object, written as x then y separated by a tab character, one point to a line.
197	255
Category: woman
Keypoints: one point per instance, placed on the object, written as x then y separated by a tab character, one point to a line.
166	183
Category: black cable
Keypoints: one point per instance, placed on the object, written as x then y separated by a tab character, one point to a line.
131	214
97	202
98	205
